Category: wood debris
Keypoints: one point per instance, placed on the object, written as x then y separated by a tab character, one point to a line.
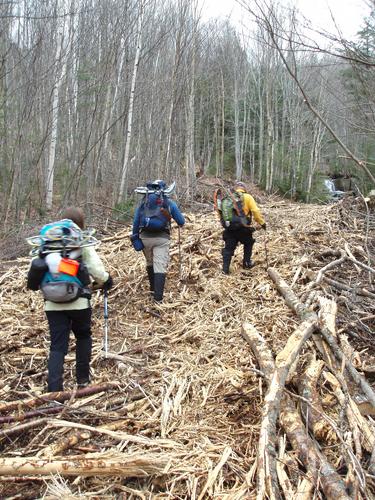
252	384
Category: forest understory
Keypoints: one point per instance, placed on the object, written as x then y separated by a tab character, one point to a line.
260	382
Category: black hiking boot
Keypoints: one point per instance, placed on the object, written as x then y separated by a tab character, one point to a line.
248	265
226	264
81	384
55	371
83	358
151	277
159	282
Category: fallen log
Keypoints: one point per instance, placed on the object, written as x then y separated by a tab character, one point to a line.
20	429
259	348
319	471
361	429
326	268
271	408
52	410
355	375
343	286
289	296
98	464
292	301
60	397
307	389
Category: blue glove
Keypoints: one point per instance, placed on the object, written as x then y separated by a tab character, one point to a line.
137	242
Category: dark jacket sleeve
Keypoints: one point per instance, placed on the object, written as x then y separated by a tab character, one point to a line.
176	214
38	268
136	221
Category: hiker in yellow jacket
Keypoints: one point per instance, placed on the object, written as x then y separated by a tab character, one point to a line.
235	233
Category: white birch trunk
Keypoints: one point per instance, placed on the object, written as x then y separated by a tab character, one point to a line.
314	156
237	132
190	160
131	103
54	117
270	143
222	125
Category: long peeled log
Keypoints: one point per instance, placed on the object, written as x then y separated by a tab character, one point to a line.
320	470
135	465
321	473
271	408
313	412
302	312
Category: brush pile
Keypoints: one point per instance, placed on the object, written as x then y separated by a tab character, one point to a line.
254	383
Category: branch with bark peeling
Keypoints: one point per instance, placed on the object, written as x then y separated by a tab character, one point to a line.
319	471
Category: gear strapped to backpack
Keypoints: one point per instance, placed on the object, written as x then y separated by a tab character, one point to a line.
154	209
229	205
59	271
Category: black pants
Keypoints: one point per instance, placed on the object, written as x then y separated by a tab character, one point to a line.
232	238
60	325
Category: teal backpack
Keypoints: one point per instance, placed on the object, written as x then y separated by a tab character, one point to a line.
59	271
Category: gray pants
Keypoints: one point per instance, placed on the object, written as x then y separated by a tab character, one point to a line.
156	251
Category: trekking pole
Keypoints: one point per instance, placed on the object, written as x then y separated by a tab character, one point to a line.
266	249
105	340
179	253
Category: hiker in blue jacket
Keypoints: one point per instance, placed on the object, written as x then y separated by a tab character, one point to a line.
152	232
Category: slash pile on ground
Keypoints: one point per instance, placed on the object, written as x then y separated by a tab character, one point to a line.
254	383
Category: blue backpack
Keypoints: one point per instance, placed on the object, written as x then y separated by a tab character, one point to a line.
151	212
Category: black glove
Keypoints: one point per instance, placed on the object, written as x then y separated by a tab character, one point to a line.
264	226
108	284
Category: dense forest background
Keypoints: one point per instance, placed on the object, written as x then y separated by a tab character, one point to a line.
98	96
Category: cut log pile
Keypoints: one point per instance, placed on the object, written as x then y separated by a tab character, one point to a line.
257	384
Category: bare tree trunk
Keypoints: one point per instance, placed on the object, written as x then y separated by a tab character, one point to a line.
222	135
318	469
54	115
125	164
237	147
190	129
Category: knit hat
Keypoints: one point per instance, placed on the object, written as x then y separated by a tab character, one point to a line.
240	185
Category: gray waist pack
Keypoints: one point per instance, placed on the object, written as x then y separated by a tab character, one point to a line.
62	291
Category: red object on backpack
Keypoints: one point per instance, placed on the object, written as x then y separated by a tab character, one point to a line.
69	266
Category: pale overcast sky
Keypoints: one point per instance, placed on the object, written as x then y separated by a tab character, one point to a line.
348	13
